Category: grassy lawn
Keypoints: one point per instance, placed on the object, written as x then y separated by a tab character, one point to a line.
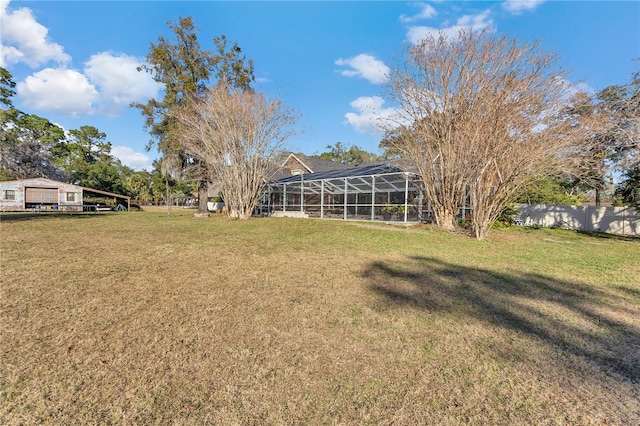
141	318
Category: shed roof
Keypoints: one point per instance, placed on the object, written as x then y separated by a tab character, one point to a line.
40	180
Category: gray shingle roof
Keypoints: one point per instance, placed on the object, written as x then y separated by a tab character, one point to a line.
321	165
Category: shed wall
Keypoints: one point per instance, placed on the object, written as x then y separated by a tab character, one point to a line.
11	205
40	193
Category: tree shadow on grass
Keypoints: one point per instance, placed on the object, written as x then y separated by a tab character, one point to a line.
21	217
589	322
606	236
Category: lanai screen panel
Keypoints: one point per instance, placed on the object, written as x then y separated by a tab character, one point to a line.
376	192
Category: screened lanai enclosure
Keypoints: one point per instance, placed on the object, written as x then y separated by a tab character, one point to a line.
380	192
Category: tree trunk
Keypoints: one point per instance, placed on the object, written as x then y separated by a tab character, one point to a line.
480	228
203	189
168	199
444	219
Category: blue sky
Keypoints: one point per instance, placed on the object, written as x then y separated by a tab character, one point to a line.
74	61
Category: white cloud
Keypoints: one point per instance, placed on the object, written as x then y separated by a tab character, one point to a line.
365	66
570	89
477	23
426	12
9	55
370	114
131	158
519	6
62	91
118	81
109	84
26	40
581	87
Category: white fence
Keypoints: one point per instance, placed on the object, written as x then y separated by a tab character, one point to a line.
613	220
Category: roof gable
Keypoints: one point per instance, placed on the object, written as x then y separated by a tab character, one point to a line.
293	162
311	164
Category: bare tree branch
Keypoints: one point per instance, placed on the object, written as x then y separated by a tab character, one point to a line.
487	117
237	135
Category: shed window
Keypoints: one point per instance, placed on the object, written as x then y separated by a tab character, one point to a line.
71	196
296	172
9	194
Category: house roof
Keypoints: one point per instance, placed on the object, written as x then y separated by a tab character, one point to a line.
316	165
311	164
406	164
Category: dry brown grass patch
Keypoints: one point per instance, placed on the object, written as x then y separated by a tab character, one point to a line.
143	318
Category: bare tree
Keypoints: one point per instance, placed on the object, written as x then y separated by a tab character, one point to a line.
622	105
482	116
185	70
237	135
616	147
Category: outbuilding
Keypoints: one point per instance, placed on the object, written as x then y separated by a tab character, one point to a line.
41	194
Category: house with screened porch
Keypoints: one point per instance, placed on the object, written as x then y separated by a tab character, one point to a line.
389	192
